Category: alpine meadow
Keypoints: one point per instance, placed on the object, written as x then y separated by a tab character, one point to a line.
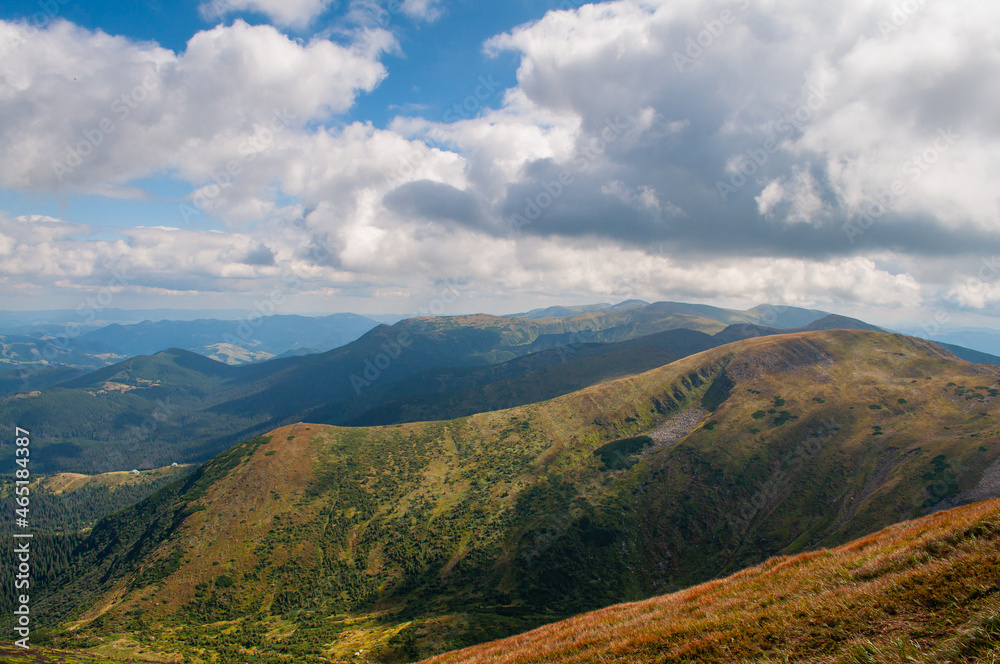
537	331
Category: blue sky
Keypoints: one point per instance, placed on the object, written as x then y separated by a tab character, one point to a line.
437	65
839	155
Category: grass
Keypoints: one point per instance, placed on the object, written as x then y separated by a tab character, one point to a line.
40	655
413	539
926	591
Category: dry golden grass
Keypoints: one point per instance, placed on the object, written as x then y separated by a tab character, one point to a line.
68	482
921	591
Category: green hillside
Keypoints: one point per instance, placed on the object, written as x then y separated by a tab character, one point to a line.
440	394
412	539
922	592
69	502
177	406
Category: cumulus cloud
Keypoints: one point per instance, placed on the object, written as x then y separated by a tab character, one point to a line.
85	111
794	120
800	152
296	13
424	10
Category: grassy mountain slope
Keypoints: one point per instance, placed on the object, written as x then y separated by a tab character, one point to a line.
177	406
440	394
925	591
174	406
413	539
447	394
68	502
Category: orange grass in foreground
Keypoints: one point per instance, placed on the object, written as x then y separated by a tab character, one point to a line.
922	591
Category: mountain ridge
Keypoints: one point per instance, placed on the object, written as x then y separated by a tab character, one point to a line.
527	515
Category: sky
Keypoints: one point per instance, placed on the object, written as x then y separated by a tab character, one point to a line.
451	156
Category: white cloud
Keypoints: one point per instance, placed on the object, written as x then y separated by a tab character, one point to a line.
85	111
414	257
805	109
842	110
295	13
424	10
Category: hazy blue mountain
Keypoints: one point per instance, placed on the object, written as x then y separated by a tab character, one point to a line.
970	355
784	317
181	406
53	320
574	310
265	337
980	339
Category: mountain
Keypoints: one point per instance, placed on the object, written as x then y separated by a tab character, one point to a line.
47	354
69	502
31	351
178	407
438	394
883	598
837	322
129	415
261	338
409	540
970	355
33	378
447	394
568	311
53	321
984	340
784	317
739	331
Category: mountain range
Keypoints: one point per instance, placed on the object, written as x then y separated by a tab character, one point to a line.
408	540
179	406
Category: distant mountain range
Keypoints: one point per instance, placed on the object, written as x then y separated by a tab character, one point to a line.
236	341
178	406
404	541
981	339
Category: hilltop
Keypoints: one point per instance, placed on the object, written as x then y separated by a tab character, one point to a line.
412	539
